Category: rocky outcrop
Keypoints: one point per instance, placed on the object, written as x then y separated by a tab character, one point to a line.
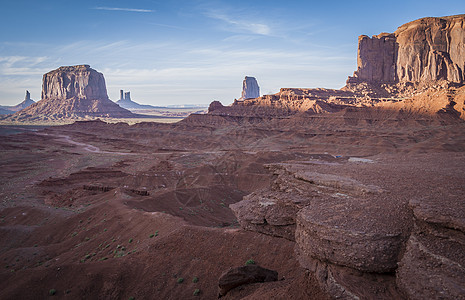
250	88
126	102
421	57
323	214
433	265
26	103
80	82
376	58
12	109
244	275
215	105
72	92
424	51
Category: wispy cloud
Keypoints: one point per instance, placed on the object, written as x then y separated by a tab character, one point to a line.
242	25
125	9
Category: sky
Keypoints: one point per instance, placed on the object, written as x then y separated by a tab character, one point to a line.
193	52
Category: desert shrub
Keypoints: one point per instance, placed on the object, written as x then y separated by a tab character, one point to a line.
180	280
152	235
130	241
52	292
196	292
250	262
195	280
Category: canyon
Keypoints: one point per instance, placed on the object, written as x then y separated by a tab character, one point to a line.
354	193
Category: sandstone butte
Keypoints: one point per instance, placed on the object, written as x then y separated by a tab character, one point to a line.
72	92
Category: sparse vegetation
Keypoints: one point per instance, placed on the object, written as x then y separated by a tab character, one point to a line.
180	280
250	262
130	241
52	292
196	292
152	235
195	280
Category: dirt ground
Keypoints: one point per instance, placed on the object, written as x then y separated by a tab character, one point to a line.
111	211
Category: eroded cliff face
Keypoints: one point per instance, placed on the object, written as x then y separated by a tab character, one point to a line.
74	81
423	51
72	92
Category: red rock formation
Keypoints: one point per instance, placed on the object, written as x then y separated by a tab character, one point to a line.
425	50
72	92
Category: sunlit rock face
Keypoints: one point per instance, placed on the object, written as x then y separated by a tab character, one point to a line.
74	81
72	92
424	50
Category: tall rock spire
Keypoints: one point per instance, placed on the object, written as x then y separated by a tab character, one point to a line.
250	88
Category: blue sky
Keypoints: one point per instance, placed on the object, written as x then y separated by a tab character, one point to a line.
194	52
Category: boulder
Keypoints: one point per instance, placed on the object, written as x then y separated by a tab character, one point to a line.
238	276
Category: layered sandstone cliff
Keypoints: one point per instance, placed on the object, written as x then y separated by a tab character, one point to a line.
72	92
423	51
74	81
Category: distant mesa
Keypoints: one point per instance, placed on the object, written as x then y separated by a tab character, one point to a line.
12	109
72	92
126	102
250	88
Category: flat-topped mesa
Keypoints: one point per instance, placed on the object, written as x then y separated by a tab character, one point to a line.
250	88
424	51
69	93
79	81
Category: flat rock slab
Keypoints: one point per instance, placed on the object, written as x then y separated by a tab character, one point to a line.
244	275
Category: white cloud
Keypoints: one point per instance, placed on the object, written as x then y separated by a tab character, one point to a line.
241	24
125	9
